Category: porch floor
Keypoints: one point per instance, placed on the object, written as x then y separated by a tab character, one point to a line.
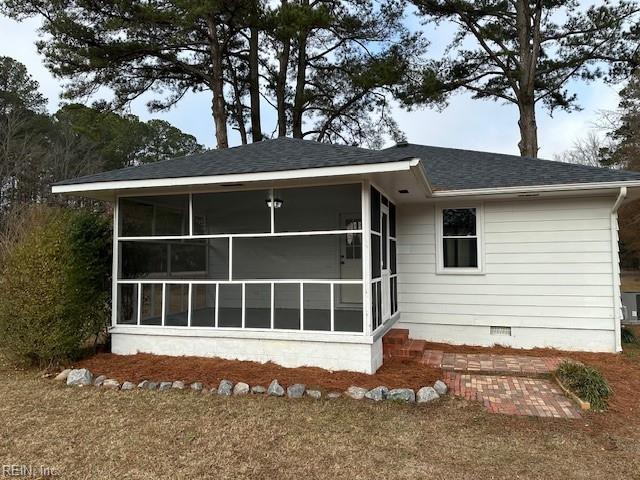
504	383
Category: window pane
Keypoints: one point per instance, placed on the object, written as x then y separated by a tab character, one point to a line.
304	257
347	311
392	220
182	259
375	210
127	304
317	306
231	212
176	305
257	305
287	306
230	305
318	208
375	256
151	308
458	221
157	215
203	305
460	252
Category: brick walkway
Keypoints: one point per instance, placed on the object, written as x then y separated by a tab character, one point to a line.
489	363
513	395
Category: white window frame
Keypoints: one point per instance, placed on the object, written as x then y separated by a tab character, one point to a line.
479	236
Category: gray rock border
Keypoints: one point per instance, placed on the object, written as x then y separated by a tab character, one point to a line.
427	394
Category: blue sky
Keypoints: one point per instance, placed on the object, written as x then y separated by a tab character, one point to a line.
465	123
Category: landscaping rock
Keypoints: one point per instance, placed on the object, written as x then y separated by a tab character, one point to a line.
128	386
197	386
225	388
275	389
205	391
144	384
333	395
111	384
296	390
152	385
427	394
80	377
401	395
62	376
377	394
357	393
258	389
178	385
241	388
165	386
99	380
315	394
440	387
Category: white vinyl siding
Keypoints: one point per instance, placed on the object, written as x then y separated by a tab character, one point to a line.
547	274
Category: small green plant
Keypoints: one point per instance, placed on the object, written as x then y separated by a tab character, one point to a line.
628	336
586	382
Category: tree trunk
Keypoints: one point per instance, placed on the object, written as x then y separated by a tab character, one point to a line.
217	86
254	86
298	102
281	81
528	144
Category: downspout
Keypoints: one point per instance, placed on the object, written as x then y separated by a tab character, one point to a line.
615	269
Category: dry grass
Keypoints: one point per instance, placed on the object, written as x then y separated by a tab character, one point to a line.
87	433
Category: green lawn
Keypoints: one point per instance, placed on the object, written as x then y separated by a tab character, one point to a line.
93	434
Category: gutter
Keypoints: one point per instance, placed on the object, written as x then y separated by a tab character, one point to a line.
538	188
615	270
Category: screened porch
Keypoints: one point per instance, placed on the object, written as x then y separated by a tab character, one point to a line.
281	259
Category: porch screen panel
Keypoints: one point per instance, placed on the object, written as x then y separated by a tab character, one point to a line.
154	215
231	212
258	305
230	305
376	270
336	207
203	305
286	313
127	304
314	257
176	305
317	306
375	210
347	309
151	307
174	259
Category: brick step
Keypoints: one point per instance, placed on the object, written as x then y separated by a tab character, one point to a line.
396	336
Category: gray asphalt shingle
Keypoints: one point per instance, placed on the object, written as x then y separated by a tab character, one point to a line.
446	168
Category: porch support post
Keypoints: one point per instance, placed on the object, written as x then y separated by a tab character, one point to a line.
366	257
114	271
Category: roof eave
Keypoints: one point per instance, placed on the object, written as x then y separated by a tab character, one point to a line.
338	171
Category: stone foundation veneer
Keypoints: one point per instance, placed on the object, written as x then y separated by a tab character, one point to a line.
348	352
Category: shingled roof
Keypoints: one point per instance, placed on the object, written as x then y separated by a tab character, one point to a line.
446	168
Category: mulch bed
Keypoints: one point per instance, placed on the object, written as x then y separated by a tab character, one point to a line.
135	368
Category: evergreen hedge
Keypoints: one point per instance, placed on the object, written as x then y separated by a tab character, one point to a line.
55	274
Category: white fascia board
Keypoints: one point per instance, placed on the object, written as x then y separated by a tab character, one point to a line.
79	188
568	187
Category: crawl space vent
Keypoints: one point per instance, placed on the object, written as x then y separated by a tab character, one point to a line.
501	331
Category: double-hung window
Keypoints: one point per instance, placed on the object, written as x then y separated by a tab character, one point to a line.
459	240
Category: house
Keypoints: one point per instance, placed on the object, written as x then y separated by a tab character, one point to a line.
304	253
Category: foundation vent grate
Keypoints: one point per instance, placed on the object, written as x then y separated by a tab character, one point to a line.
500	331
